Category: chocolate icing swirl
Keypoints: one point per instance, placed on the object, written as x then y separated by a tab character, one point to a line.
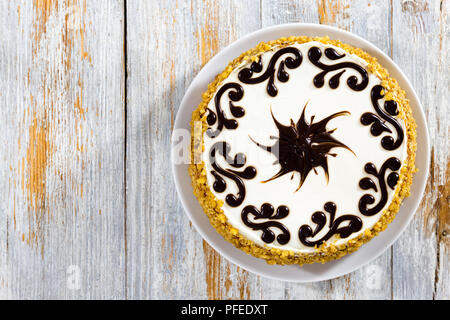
393	164
314	55
354	224
235	94
246	74
239	160
377	125
303	146
267	212
332	54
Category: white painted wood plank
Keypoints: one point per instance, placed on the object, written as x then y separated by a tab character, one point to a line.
278	12
168	42
62	164
372	22
420	29
441	168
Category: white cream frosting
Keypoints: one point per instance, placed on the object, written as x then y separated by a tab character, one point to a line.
345	170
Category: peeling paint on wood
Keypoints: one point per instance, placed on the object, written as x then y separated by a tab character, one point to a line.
57	97
328	10
418	26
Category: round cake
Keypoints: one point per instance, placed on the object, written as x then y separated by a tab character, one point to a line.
302	150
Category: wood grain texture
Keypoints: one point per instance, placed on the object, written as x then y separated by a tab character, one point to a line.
62	165
90	91
420	38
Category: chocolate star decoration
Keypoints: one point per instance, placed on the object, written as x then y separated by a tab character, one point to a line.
303	146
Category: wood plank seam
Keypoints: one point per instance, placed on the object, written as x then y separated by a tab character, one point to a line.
125	94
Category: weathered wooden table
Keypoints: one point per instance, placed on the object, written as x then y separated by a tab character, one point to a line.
89	92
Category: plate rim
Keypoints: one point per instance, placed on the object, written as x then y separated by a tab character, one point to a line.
350	38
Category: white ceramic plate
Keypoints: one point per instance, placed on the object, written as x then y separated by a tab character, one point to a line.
314	272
